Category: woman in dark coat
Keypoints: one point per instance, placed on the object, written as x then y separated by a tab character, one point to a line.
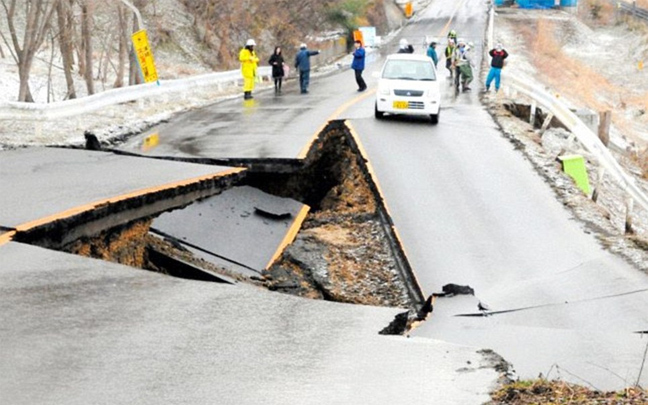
277	63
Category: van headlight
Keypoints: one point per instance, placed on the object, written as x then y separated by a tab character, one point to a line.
383	90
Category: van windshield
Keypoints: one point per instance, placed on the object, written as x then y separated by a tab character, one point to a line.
409	70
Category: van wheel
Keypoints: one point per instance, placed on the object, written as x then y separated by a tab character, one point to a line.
434	118
378	114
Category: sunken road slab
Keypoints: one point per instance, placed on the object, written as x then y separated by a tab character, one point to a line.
76	330
242	229
39	183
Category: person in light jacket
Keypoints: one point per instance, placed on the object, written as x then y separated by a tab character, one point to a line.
302	63
358	65
249	62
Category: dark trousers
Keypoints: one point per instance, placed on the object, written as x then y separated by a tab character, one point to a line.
361	83
304	80
277	82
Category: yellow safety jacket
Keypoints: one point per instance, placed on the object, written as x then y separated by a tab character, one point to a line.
249	62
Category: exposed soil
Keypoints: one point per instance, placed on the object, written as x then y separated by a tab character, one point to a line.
342	252
125	245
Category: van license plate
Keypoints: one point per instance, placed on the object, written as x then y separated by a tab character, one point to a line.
401	105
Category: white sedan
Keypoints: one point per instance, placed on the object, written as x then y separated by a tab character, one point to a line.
408	85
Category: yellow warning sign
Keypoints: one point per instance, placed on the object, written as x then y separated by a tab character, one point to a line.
145	56
409	9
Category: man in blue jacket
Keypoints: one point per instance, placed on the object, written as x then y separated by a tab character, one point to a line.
302	63
358	65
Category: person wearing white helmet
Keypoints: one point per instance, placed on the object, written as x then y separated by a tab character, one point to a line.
405	47
462	62
249	62
302	63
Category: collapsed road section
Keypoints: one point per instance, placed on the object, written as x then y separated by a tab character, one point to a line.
316	227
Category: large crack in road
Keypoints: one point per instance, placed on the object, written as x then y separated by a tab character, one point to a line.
345	250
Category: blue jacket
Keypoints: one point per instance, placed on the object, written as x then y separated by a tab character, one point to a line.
358	59
431	52
302	60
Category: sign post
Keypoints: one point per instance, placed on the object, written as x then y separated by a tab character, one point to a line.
144	56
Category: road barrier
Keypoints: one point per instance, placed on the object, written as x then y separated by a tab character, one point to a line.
590	141
75	107
633	9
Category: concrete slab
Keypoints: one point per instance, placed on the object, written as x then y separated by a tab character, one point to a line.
77	331
42	184
242	229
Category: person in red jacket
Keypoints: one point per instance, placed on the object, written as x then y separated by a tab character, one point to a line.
498	54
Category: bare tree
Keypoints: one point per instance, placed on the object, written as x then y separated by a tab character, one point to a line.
66	30
38	17
123	45
87	8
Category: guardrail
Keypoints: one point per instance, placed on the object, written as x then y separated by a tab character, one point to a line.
580	131
585	136
633	9
69	108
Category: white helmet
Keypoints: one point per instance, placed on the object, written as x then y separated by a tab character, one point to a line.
461	41
403	43
250	42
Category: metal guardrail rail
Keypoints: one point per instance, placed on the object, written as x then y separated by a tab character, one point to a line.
633	9
69	108
585	136
581	132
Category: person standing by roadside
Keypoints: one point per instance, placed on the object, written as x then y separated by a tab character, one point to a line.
404	46
277	63
302	63
498	55
249	62
449	53
358	65
431	52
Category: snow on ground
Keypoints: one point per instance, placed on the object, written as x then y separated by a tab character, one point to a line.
598	48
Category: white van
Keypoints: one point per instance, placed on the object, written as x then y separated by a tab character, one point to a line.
408	85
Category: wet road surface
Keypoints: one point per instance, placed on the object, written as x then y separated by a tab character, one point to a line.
472	211
82	331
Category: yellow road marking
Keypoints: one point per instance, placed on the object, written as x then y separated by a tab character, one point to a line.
290	236
89	207
6	237
459	5
334	116
372	173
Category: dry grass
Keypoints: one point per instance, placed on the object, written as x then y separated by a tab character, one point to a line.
576	79
581	83
597	12
558	392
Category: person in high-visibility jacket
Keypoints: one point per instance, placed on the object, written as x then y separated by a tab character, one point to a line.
249	61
